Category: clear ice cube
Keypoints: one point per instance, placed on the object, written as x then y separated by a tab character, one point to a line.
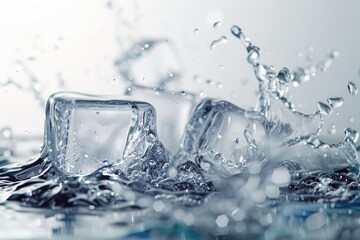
221	136
85	132
137	64
173	111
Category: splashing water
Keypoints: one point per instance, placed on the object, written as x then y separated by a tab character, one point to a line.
235	173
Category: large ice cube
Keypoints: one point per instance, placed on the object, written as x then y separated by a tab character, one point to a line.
222	136
150	63
173	110
84	132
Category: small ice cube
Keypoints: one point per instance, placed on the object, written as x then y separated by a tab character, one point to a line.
85	132
223	135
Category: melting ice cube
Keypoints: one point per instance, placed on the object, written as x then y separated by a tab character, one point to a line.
84	132
173	110
224	136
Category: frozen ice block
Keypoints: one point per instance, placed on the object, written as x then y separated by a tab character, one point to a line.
173	111
150	63
223	136
85	132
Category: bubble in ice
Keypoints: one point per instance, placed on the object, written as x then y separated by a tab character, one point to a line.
352	88
215	43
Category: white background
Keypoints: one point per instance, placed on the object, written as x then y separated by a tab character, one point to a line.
78	42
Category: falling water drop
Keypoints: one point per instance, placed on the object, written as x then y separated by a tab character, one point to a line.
335	102
236	31
217	24
324	108
215	43
352	88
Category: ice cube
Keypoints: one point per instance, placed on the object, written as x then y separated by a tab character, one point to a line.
85	132
150	63
222	136
173	110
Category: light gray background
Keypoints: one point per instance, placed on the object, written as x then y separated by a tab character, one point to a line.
78	41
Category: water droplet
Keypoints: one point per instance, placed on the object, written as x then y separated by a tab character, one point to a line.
196	30
221	67
209	82
311	48
334	54
352	88
97	113
222	221
217	24
183	93
324	108
197	79
215	43
284	75
205	165
253	54
172	172
236	141
219	85
332	129
6	133
351	134
335	102
236	31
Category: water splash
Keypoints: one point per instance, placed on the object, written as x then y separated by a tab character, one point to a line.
226	179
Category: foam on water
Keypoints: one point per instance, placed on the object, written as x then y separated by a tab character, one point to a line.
236	173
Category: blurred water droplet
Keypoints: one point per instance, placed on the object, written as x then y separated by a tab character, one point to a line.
197	79
215	43
222	221
334	54
335	102
236	31
196	30
217	24
352	88
351	134
6	133
324	108
332	129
